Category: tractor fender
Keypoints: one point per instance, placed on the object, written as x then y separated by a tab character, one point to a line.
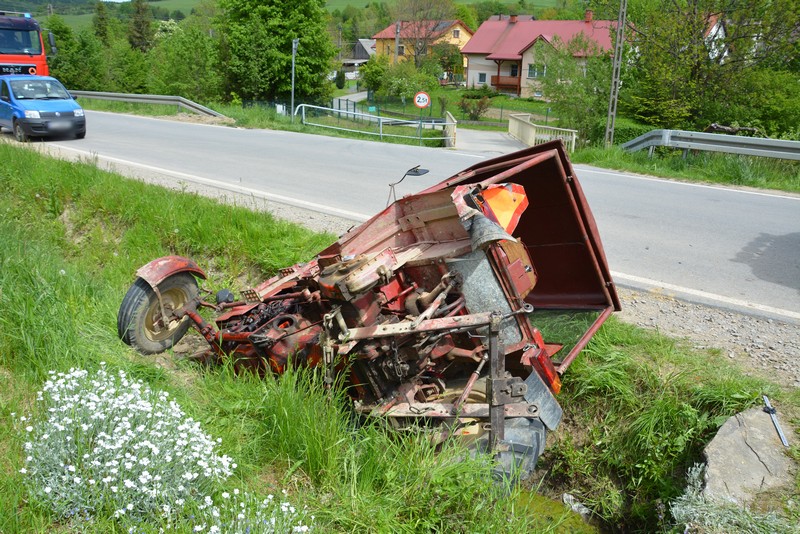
162	268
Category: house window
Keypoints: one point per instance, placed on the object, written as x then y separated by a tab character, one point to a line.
481	77
456	34
537	71
401	50
514	70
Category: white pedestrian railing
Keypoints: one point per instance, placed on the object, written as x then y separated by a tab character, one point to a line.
521	128
349	121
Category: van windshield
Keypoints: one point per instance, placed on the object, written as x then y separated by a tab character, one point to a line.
38	90
20	42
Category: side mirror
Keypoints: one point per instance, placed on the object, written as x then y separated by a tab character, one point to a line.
52	40
74	97
5	98
413	171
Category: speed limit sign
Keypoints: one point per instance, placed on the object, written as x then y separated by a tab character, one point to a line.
422	100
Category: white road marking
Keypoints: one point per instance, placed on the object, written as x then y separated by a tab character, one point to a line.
687	184
738	303
355	216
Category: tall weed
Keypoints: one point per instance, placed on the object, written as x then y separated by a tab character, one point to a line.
645	409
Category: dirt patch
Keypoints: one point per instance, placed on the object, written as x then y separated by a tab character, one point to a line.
199	119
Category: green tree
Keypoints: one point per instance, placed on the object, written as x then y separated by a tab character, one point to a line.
258	48
576	82
100	22
80	63
448	57
140	28
127	69
340	79
373	72
404	80
185	63
467	14
695	57
487	8
418	16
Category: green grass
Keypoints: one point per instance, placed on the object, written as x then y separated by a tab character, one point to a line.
641	407
727	169
79	22
133	108
266	117
71	238
501	107
638	406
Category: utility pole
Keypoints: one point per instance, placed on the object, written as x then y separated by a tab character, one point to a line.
295	42
396	40
614	96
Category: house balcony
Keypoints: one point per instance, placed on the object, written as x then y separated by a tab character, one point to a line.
506	83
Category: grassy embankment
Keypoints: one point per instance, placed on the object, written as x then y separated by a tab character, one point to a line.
639	406
71	238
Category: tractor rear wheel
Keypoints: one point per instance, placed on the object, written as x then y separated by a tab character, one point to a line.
140	323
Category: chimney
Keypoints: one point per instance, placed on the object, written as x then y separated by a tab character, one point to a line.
588	16
513	19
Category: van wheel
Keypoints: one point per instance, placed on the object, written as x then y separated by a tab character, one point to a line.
19	133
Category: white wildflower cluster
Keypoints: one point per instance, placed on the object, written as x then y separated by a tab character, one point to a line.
243	513
109	444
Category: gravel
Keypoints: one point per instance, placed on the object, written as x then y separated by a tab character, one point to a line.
762	347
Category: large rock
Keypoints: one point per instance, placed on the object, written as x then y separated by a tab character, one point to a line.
746	457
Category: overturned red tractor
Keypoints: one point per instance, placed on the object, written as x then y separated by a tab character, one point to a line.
431	309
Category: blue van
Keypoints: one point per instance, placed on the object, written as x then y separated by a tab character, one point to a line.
39	106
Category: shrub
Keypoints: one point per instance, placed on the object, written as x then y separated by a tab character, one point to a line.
474	109
625	130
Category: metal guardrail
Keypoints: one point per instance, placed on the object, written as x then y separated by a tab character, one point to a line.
522	129
151	99
687	140
308	111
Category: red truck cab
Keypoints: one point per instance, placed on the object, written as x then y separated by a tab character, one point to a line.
21	46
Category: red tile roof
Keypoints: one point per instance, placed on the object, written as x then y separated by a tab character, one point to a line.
503	39
419	28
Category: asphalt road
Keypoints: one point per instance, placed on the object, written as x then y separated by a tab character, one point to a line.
729	247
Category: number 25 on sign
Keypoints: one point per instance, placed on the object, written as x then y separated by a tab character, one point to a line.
422	100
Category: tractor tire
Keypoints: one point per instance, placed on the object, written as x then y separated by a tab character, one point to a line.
140	313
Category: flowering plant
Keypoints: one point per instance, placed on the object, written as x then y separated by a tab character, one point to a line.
110	446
